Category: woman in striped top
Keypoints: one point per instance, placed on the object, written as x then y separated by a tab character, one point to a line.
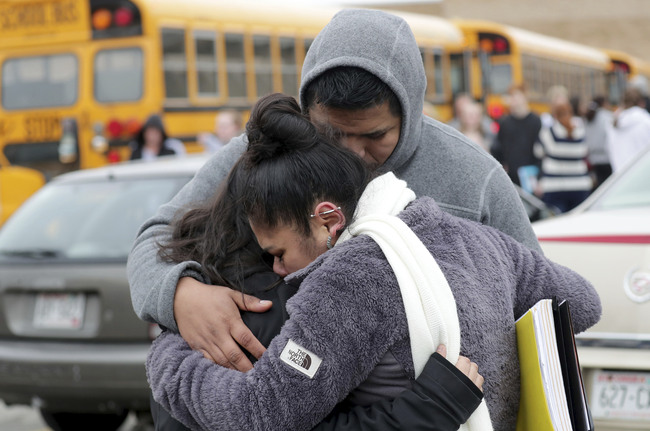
565	180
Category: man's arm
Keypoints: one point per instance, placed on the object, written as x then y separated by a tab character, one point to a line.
154	283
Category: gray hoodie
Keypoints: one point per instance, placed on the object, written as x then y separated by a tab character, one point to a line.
433	158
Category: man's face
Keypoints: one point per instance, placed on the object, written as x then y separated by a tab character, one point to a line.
372	133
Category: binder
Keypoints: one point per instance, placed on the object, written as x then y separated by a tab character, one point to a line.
552	390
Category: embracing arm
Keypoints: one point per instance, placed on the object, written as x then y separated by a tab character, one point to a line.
539	278
502	209
175	295
153	282
336	323
442	398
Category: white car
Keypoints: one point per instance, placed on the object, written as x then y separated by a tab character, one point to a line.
607	240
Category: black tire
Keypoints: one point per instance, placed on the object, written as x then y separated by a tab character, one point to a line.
63	421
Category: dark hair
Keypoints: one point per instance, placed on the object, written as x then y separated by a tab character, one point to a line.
217	236
289	166
632	97
593	107
575	101
350	88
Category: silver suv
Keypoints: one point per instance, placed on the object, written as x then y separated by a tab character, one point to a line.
70	342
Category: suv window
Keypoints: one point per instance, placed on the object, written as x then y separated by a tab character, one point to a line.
89	220
631	189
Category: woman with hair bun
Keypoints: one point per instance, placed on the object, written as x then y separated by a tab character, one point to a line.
235	259
382	279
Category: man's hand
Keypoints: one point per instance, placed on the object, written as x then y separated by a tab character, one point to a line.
208	319
467	367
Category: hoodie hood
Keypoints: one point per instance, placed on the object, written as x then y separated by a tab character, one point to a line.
154	121
384	45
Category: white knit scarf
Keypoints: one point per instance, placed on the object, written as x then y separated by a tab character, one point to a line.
428	301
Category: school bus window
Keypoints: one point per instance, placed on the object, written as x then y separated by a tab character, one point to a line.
428	72
174	63
438	73
236	65
528	68
263	66
500	78
458	74
538	66
288	66
118	75
205	45
40	82
548	76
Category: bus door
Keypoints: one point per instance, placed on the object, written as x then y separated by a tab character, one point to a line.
120	99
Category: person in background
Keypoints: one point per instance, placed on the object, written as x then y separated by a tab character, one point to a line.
152	141
471	125
565	180
640	82
597	132
631	132
555	95
518	133
462	102
227	125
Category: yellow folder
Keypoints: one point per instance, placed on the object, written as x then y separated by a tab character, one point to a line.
543	404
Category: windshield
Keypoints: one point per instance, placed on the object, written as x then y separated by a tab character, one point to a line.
632	189
39	82
91	220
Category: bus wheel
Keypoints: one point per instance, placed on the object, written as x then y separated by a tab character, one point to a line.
63	421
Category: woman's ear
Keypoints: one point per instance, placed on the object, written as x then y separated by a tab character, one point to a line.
329	215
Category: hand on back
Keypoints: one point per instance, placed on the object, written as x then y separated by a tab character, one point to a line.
467	367
208	319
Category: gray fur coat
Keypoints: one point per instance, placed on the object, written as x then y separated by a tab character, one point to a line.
348	314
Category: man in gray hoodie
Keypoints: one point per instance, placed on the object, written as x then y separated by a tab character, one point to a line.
364	80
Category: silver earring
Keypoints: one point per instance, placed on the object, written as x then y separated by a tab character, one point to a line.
325	212
329	242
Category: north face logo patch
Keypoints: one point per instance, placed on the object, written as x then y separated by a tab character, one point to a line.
300	359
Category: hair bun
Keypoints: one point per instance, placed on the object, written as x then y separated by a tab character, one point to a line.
276	127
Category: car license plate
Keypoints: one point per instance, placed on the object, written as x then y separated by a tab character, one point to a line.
59	310
621	395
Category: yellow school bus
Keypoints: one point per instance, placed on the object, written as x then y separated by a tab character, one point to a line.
503	56
623	69
79	77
